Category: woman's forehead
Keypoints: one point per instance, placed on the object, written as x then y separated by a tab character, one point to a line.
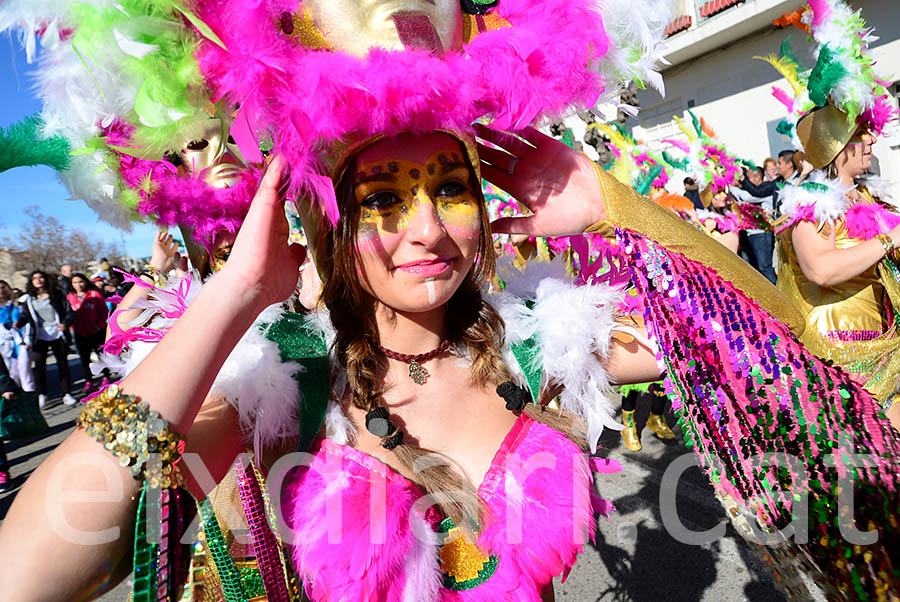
416	149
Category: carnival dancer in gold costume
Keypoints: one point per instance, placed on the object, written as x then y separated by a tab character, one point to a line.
837	237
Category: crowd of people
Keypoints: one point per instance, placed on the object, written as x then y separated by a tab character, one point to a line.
449	357
53	313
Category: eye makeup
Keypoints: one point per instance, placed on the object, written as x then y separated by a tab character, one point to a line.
390	194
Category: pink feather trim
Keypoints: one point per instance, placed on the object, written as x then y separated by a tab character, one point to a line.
866	221
679	144
305	99
350	519
821	11
879	115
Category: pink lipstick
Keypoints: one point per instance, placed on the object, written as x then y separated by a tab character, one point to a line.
427	267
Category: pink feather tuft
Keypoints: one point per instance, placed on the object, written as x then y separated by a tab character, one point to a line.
173	199
783	98
821	11
879	115
679	144
866	221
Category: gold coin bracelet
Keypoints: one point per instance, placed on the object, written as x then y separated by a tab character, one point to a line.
887	242
135	434
159	279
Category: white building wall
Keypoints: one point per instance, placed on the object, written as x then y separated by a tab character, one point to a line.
732	91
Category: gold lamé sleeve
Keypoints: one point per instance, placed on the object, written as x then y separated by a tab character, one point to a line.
625	208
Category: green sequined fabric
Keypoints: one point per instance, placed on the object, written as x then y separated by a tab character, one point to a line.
231	579
145	555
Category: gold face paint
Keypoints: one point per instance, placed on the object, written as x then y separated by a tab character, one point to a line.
390	193
214	156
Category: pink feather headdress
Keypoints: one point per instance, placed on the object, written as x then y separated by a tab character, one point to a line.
544	59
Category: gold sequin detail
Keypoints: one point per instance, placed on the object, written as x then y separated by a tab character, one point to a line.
460	558
489	22
135	434
306	33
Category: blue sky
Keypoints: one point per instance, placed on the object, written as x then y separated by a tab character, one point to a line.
25	186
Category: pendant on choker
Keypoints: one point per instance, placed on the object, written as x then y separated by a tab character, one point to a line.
417	372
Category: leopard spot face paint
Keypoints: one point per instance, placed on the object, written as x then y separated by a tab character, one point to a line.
391	193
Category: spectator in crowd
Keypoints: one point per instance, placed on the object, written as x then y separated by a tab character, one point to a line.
65	278
89	326
760	243
14	343
692	191
7	391
50	316
786	173
769	169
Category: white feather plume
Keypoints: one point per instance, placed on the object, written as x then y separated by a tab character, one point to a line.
636	31
573	326
254	379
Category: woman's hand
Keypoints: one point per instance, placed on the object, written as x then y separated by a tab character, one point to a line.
557	183
263	267
164	253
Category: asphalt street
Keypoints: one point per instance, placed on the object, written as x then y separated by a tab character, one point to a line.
634	558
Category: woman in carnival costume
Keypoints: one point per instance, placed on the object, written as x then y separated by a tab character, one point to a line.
837	234
399	215
121	87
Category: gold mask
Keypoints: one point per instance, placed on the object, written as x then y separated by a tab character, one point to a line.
355	26
214	156
220	255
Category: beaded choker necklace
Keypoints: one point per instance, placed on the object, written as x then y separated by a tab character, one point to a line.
416	372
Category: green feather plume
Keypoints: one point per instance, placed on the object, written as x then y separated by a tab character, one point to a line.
698	127
681	164
825	75
785	128
747	163
645	181
21	145
170	101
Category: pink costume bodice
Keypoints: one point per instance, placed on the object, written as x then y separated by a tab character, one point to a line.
359	535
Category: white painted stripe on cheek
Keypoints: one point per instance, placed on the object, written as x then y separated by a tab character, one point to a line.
429	286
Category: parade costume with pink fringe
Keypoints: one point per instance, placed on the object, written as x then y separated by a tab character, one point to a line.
742	382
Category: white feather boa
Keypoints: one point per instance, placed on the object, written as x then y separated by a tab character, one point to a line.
573	326
253	379
827	199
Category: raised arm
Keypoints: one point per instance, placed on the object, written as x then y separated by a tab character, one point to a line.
570	194
163	258
826	265
763	190
68	533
